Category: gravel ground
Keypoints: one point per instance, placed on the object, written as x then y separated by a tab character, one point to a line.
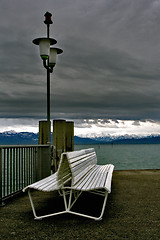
132	212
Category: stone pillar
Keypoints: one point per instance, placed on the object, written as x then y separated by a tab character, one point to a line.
59	143
44	132
69	136
43	167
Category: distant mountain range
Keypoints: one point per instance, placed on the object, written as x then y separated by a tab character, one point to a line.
119	140
22	138
26	138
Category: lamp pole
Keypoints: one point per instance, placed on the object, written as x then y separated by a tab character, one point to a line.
48	56
48	21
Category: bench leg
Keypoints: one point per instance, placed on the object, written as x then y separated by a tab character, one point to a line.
32	205
76	196
103	207
70	205
34	211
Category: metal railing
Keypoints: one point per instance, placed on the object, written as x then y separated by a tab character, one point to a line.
21	165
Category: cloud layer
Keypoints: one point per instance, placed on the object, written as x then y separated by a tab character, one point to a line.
115	128
110	68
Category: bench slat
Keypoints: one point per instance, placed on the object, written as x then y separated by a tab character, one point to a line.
89	179
81	174
75	154
82	163
80	168
78	158
102	178
109	178
98	178
94	180
43	184
83	181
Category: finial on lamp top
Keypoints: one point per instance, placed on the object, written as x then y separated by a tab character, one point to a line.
48	19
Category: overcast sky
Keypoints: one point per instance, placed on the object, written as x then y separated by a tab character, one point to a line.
110	68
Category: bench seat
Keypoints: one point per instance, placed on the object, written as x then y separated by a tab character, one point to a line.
96	178
78	172
47	184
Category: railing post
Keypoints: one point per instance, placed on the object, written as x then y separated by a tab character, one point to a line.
1	202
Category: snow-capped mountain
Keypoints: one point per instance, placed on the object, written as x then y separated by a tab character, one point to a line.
13	138
130	139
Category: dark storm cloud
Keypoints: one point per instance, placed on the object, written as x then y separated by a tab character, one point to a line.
109	68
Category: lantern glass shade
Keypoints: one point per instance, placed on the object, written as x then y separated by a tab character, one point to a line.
44	47
52	57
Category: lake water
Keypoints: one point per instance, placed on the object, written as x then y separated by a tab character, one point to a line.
127	156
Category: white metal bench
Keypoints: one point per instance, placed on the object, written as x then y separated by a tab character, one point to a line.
78	171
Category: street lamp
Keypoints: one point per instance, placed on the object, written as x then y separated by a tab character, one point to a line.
48	56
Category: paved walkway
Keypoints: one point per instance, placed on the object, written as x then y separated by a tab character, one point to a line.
132	212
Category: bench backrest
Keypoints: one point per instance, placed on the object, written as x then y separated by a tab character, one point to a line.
73	165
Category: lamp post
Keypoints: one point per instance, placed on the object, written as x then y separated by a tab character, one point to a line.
48	56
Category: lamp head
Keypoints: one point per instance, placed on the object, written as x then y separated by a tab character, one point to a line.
44	46
53	56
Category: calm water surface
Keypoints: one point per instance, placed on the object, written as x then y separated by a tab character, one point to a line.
127	156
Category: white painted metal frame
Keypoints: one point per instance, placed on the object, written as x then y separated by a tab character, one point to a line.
78	172
69	204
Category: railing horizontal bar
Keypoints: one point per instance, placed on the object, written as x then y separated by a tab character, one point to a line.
12	194
24	146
